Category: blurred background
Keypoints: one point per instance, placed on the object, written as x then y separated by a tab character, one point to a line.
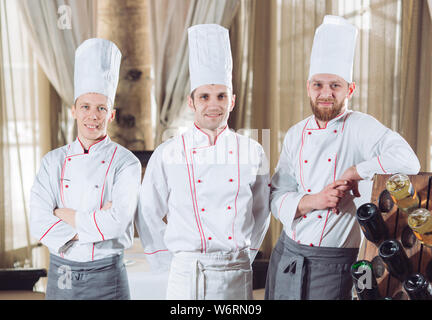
271	42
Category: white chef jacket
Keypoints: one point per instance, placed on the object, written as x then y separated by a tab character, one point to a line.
71	178
314	157
215	197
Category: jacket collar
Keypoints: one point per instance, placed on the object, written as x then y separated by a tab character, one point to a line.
78	148
313	123
203	139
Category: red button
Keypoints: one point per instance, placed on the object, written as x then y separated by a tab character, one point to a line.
229	208
231	180
230	152
193	151
209	238
329	160
69	159
335	131
103	161
269	184
311	245
319	217
199	181
229	238
309	132
305	161
66	186
304	216
202	209
309	190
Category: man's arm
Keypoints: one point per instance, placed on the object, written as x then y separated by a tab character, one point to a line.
260	205
47	228
112	220
152	209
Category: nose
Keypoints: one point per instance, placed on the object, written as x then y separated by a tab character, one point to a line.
326	92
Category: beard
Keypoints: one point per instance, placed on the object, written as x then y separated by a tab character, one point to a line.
327	114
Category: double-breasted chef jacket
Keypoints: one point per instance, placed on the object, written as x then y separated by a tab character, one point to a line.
71	177
314	157
215	197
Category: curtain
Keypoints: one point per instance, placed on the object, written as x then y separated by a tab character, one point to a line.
21	81
55	28
169	23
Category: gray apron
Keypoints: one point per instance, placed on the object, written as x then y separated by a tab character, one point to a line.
103	279
301	272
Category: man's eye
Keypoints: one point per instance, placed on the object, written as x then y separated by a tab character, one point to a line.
84	106
204	97
102	109
335	85
317	85
221	96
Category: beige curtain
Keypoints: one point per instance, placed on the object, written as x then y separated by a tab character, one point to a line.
169	23
54	29
392	68
21	83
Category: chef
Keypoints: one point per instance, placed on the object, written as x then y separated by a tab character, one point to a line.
210	184
85	194
323	157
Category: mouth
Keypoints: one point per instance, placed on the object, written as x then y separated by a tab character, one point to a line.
91	127
326	103
213	115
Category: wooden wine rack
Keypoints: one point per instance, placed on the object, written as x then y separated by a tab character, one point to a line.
419	255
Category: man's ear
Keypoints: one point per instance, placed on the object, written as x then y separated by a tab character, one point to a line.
232	102
351	89
112	116
191	103
307	88
73	111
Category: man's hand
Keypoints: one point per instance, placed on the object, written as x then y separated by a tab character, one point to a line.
329	197
107	205
66	214
352	176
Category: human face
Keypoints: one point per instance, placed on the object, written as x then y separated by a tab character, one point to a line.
92	113
329	95
211	105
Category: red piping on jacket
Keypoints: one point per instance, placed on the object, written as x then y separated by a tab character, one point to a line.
238	190
208	136
381	165
196	202
155	251
101	202
190	186
88	150
49	229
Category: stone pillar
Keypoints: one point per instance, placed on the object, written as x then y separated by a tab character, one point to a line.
126	23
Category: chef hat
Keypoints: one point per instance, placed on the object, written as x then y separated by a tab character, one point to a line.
333	48
210	60
97	67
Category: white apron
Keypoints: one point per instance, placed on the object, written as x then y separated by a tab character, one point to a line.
210	276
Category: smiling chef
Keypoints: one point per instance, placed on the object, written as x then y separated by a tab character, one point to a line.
210	183
323	157
85	194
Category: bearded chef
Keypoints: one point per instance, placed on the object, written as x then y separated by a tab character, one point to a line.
85	194
212	185
323	157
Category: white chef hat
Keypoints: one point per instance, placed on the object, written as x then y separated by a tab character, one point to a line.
333	48
210	60
97	67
